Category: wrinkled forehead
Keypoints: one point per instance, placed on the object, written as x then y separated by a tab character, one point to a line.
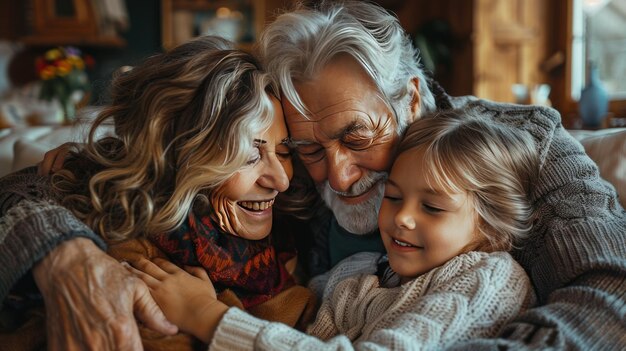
331	107
341	82
336	118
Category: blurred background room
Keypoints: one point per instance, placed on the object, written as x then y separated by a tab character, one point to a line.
57	56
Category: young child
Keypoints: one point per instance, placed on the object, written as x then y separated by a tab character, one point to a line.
455	201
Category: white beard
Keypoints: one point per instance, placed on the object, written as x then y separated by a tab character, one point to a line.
361	218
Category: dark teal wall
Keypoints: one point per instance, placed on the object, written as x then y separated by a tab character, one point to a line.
143	39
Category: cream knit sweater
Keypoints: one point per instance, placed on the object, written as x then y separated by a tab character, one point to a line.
473	295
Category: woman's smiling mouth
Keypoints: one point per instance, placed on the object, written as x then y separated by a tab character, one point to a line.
256	206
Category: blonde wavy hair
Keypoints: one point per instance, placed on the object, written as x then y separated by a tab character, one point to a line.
496	165
184	121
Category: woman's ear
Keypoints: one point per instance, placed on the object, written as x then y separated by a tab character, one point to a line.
416	99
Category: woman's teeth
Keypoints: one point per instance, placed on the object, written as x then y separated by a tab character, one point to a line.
256	205
402	243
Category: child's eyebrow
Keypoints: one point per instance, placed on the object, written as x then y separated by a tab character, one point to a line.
260	141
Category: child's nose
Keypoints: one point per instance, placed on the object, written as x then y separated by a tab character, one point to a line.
405	218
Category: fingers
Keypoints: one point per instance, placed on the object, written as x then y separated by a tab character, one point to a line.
60	159
198	272
100	317
123	335
45	166
53	159
147	311
150	268
167	266
148	279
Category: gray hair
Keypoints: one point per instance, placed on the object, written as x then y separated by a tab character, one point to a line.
302	41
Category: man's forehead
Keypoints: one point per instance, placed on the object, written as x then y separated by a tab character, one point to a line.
330	125
336	126
342	85
320	109
334	114
321	103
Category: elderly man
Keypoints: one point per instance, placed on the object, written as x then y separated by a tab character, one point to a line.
351	84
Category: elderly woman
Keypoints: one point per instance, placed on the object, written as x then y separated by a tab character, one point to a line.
193	172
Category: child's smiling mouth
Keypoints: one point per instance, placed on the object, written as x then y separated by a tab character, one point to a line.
404	244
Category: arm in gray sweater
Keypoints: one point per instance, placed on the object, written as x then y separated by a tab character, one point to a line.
576	256
84	289
32	223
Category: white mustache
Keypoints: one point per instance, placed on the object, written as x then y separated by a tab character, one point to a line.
361	218
361	186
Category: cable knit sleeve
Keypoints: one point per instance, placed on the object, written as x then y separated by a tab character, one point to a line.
471	296
32	223
360	263
576	256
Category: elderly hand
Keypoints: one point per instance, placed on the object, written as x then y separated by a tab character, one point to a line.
53	159
90	299
188	299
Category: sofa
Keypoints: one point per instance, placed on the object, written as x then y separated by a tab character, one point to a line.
21	147
25	146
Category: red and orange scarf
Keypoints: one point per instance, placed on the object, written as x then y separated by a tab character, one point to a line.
252	269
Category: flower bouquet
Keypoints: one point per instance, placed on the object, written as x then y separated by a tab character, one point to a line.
62	71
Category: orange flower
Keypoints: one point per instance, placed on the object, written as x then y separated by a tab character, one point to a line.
64	67
47	72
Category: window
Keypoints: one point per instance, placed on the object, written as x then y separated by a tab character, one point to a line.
599	37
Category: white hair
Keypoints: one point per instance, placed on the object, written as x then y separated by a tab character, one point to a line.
302	41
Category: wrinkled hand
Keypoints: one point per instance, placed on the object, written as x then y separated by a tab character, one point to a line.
188	298
90	299
53	159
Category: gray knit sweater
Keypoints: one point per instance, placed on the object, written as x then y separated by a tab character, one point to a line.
576	256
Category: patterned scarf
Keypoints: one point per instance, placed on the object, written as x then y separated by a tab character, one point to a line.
253	269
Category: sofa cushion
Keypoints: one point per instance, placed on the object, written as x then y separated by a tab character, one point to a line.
27	153
608	150
25	146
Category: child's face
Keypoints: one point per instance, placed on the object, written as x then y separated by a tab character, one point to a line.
421	227
243	204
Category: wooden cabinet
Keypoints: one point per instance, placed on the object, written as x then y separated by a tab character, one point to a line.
494	43
65	22
511	46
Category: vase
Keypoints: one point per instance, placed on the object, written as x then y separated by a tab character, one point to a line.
594	100
69	110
